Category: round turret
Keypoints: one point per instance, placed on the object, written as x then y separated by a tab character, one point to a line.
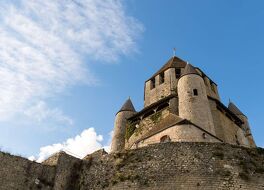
126	111
193	102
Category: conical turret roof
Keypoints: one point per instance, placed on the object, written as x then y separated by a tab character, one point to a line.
128	106
173	62
234	109
189	69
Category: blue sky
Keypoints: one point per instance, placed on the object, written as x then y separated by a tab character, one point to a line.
66	68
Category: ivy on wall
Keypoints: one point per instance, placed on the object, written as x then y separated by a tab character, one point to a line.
130	128
156	117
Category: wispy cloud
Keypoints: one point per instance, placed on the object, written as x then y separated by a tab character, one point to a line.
41	113
43	45
81	145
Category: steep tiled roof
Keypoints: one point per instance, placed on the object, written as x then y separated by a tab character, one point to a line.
234	109
173	62
189	69
128	106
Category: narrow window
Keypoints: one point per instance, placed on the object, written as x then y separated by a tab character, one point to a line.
162	79
165	138
195	92
152	83
204	136
178	73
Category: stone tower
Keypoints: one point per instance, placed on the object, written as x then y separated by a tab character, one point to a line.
126	111
181	104
245	126
164	82
193	101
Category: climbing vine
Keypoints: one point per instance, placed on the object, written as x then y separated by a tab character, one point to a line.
156	117
130	128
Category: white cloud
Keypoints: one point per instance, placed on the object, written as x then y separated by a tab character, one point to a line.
43	45
81	145
41	112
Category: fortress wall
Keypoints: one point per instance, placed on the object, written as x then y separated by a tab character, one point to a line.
167	166
211	88
180	133
164	166
146	125
161	90
68	170
232	133
219	131
226	129
22	174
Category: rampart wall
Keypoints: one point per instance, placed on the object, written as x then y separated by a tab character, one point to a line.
203	166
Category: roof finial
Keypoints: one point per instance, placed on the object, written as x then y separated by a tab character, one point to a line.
229	100
174	52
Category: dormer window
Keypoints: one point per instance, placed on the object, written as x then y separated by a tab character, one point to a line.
152	83
178	73
161	76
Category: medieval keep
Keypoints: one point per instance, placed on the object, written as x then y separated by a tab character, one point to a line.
181	104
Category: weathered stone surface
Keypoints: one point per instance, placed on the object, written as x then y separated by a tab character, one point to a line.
177	166
18	173
193	107
187	92
163	166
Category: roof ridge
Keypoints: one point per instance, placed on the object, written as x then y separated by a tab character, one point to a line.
173	62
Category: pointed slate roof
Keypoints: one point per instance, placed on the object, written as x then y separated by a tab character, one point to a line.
189	69
128	106
173	62
234	109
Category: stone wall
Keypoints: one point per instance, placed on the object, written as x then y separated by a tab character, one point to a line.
118	140
191	166
165	166
179	133
18	173
161	90
195	108
225	127
146	125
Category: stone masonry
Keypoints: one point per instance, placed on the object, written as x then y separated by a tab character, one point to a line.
163	166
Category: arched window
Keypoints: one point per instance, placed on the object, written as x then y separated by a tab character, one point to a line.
165	138
195	92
